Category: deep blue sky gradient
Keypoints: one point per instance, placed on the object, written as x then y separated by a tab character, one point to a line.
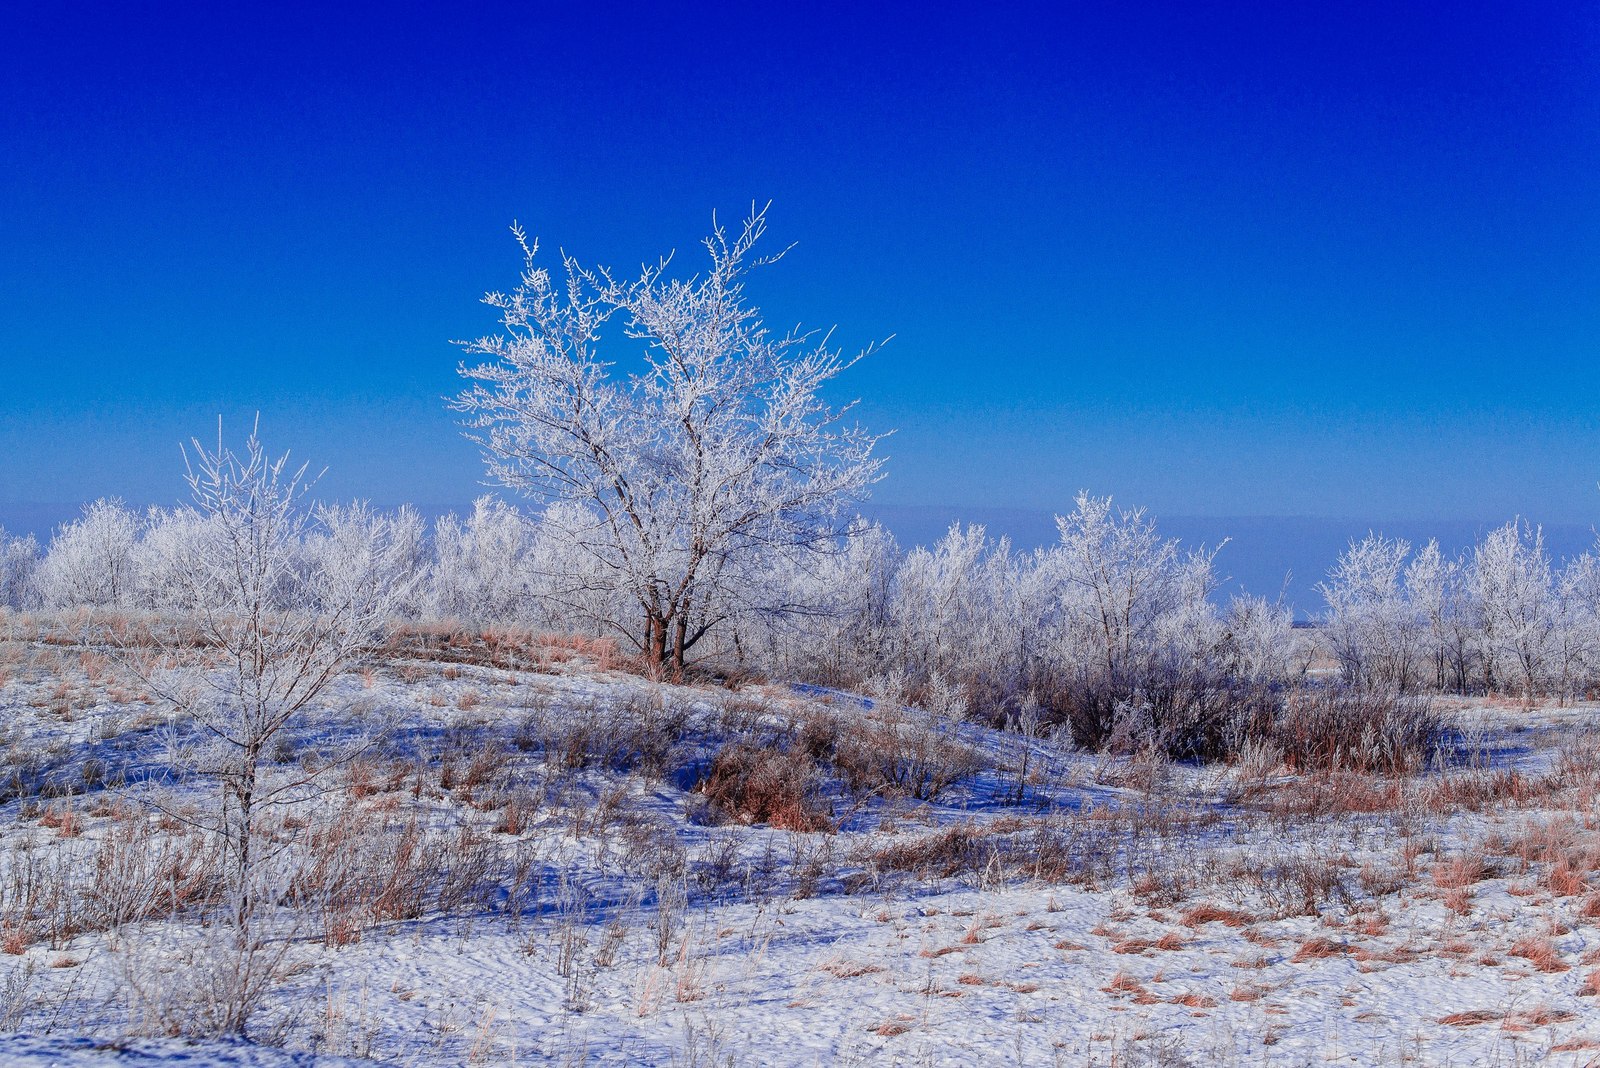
1255	259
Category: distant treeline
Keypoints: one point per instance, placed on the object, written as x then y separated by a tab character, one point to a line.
1111	599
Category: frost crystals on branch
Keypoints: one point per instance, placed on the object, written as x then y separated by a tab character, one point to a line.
717	459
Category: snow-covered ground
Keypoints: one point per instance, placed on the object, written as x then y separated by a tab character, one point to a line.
585	903
40	1051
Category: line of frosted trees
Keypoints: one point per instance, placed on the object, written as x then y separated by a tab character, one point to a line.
1500	617
1111	598
1112	607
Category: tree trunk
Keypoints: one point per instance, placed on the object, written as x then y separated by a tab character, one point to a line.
680	642
657	647
245	794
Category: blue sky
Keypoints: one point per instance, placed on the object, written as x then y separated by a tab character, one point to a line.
1287	260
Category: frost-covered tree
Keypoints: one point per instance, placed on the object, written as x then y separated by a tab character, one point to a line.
169	541
480	563
1132	636
569	587
269	633
943	607
718	449
356	555
90	561
823	616
1127	598
19	559
1260	643
1577	631
1515	594
1377	634
1440	591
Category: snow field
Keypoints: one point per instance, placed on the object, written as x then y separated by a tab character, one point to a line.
579	901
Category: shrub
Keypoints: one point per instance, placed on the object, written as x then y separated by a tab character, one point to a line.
638	731
941	854
1336	727
902	751
1185	713
750	784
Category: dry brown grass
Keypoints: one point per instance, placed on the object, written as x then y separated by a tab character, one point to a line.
1337	793
1385	954
1368	731
904	753
63	819
1540	952
850	969
504	648
1461	871
1127	985
1569	848
1318	949
942	853
1208	913
1475	791
1564	880
516	813
1373	925
1539	1016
